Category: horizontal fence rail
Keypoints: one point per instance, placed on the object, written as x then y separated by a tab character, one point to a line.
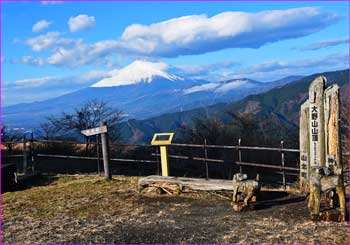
236	147
192	158
9	156
278	149
90	143
88	150
96	158
266	166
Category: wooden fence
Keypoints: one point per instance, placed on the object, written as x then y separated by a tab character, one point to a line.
29	154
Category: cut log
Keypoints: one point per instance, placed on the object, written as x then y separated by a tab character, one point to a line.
185	184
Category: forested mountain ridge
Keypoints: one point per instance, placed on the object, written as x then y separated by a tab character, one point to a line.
277	108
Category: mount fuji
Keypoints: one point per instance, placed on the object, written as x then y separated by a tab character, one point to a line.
140	90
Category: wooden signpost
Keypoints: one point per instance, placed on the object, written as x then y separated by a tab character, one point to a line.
25	157
332	137
316	122
94	131
304	145
102	130
319	130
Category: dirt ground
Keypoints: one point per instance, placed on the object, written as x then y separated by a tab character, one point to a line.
78	209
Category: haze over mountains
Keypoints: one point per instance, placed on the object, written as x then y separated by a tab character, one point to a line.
141	90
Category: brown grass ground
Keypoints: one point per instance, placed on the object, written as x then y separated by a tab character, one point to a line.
78	209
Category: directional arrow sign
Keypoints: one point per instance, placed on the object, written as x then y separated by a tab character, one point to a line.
94	131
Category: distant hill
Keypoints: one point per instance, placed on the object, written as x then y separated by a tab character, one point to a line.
141	90
281	105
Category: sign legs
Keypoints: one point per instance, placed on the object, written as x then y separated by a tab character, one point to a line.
164	160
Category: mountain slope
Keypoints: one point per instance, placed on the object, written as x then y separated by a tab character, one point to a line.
282	104
141	90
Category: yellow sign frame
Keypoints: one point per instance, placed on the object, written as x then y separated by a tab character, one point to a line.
162	142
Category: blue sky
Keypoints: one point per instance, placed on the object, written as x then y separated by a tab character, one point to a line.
52	49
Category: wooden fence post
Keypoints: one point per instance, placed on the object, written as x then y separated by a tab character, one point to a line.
205	158
25	159
105	152
282	161
239	155
98	154
32	150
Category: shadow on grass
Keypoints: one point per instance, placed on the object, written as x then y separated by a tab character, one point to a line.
268	199
29	181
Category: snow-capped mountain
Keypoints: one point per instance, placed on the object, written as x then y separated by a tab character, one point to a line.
137	72
140	90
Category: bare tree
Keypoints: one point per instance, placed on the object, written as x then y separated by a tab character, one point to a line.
10	135
89	115
209	128
245	126
264	129
47	130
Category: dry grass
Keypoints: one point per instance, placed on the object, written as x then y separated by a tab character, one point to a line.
78	209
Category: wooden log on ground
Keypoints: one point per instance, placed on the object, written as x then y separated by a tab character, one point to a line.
185	184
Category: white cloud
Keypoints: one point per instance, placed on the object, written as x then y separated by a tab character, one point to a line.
30	60
49	2
203	87
92	75
40	88
98	54
187	35
197	71
34	82
66	82
16	41
230	85
198	34
325	43
69	52
276	69
218	87
81	22
41	25
52	41
327	61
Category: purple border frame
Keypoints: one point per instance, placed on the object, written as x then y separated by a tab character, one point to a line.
260	1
